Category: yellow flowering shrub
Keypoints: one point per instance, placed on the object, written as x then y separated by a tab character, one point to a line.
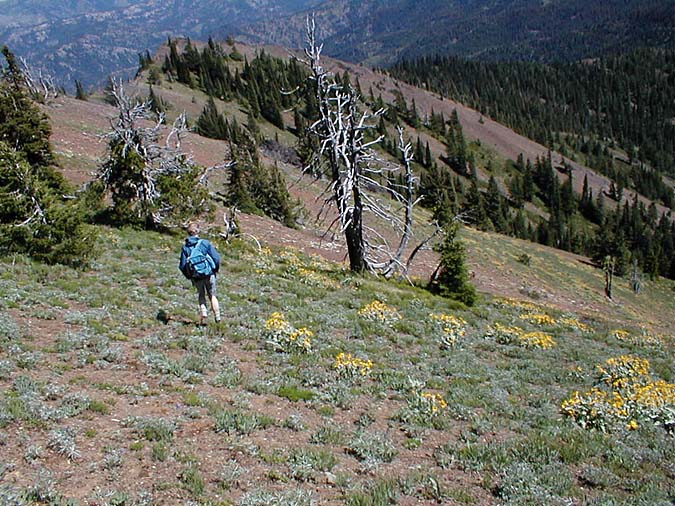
646	337
451	328
573	323
432	403
626	392
515	335
424	407
351	367
538	319
620	372
262	260
503	334
508	302
591	410
282	336
379	312
620	334
539	340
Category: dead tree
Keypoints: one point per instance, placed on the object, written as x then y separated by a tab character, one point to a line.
155	183
40	84
608	267
635	278
358	180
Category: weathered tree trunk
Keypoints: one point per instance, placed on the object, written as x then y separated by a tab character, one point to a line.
346	157
354	238
608	267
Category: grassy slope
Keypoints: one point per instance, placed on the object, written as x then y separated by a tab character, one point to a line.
174	412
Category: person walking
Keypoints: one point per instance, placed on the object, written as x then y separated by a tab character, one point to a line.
200	262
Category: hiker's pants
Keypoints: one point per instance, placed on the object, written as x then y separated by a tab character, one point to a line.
205	286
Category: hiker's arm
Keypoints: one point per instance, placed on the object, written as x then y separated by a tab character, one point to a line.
183	261
213	253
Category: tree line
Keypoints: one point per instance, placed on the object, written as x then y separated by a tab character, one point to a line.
581	223
591	107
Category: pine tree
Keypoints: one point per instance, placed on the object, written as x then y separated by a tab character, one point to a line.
568	200
451	278
253	128
35	217
456	145
519	225
211	123
150	185
256	189
157	104
528	182
22	125
474	207
238	194
428	158
494	206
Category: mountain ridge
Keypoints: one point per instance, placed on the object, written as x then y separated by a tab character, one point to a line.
83	40
380	32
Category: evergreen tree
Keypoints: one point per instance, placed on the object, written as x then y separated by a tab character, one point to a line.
150	185
528	182
474	207
22	125
253	128
157	103
516	190
494	207
519	225
428	158
211	123
568	201
452	278
238	194
456	151
256	189
35	217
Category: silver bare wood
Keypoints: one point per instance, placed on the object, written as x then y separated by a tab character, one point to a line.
135	131
360	183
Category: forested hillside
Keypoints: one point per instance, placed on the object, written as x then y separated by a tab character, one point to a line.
380	32
625	102
613	114
535	199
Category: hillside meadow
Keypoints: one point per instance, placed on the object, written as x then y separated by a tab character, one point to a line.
322	387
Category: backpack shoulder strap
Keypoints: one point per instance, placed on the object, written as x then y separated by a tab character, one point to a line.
197	245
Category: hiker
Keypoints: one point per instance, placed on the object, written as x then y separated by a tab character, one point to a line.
199	262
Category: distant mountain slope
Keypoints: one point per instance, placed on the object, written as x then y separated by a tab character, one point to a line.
33	12
380	31
89	40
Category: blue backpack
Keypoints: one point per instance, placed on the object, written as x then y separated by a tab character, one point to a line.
199	264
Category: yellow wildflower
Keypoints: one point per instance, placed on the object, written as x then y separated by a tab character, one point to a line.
379	311
538	318
349	366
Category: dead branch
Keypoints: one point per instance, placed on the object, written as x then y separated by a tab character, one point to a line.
348	159
132	131
42	86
